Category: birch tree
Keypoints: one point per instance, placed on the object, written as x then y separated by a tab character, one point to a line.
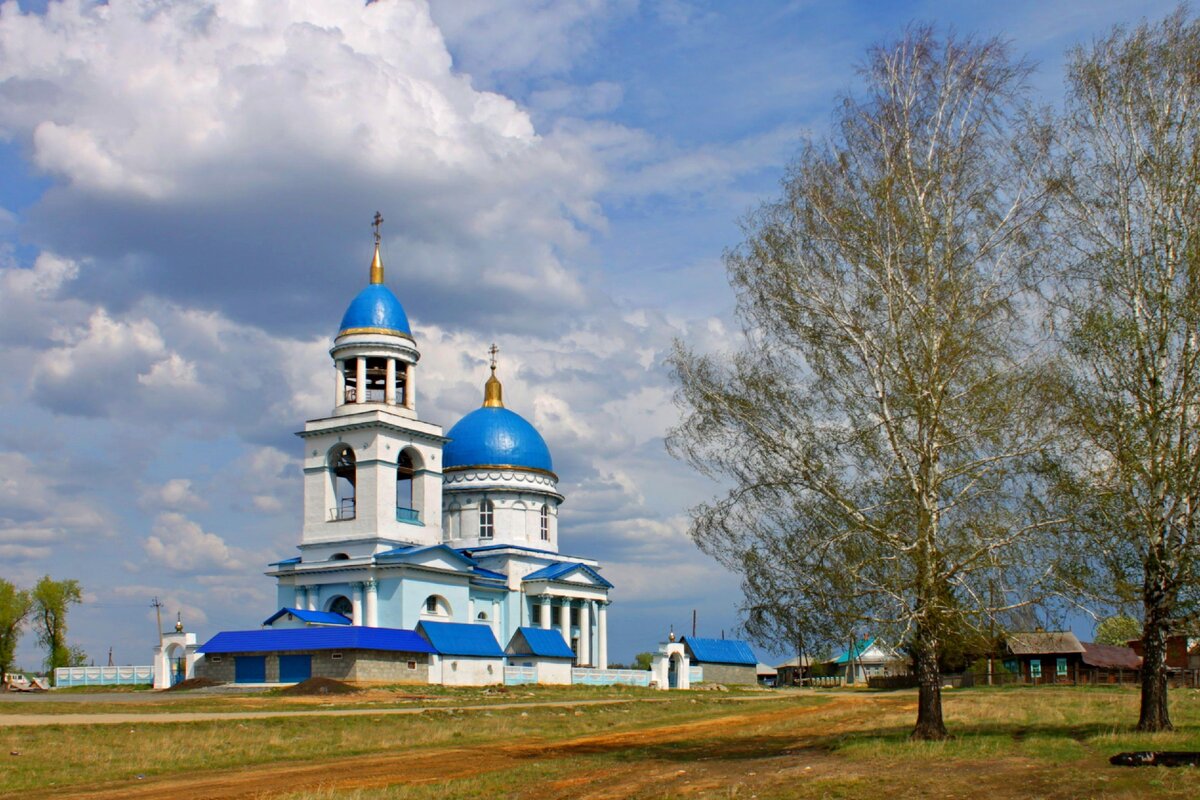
875	425
1129	306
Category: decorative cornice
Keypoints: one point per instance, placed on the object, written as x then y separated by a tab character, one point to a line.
501	468
374	423
380	331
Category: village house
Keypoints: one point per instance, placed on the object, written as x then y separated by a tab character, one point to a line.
1048	657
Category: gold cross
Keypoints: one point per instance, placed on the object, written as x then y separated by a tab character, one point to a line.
378	221
492	351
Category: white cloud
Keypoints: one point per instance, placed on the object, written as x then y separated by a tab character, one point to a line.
180	544
169	125
175	494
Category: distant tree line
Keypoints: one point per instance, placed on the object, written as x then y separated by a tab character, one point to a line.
968	388
46	606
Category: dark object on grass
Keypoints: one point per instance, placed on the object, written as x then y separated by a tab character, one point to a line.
319	686
1164	758
193	683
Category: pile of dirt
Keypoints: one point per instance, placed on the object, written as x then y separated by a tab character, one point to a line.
193	683
319	686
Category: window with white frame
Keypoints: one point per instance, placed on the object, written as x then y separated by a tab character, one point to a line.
545	521
487	519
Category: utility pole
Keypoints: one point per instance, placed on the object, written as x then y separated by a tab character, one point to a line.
693	623
157	606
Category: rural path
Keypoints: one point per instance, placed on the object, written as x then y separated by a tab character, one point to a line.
422	766
121	718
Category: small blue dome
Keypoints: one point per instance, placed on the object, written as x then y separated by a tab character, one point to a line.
375	309
496	437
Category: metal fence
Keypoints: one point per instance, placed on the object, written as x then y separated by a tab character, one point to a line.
519	676
102	676
588	676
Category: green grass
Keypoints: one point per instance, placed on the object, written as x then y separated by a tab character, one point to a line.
59	756
1047	742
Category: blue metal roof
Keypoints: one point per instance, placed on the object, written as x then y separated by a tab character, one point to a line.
292	560
556	572
404	552
490	574
340	637
315	617
544	642
855	652
460	639
472	550
720	651
495	437
375	309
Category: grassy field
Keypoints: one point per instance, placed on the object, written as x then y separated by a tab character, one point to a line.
1008	743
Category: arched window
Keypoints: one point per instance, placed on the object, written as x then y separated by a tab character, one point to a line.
481	616
345	479
339	557
435	606
405	510
342	605
487	519
545	522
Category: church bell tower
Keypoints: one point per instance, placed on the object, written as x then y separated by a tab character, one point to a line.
372	468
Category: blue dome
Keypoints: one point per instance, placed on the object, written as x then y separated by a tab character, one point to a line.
496	437
375	310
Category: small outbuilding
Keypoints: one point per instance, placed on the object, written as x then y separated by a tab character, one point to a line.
723	660
544	650
792	672
291	655
465	654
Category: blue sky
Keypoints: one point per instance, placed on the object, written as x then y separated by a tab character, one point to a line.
185	192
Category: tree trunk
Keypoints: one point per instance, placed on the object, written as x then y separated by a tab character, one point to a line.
1154	714
929	692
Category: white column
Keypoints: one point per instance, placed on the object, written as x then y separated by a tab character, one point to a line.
339	384
585	633
301	599
390	392
313	597
356	604
360	375
544	611
372	603
602	634
564	620
470	609
410	388
496	622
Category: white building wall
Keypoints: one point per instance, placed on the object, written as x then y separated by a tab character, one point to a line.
468	671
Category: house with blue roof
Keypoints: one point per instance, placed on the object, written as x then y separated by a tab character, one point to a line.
722	660
866	658
466	654
543	651
406	524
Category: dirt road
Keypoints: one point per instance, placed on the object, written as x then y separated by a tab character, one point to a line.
415	767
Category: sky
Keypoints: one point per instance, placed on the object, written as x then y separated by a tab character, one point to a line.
186	190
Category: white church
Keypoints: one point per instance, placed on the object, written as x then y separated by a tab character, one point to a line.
422	551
